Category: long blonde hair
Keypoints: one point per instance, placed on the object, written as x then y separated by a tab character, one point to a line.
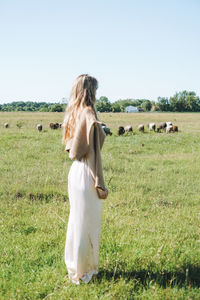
83	93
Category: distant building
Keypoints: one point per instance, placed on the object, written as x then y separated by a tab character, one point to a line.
131	109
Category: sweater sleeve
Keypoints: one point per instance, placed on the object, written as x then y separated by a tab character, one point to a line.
94	157
91	154
99	182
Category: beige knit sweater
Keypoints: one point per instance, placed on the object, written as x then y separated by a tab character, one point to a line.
87	143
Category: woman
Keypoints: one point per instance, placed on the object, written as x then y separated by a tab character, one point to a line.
84	139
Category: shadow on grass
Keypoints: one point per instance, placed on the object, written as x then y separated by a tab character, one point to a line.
41	196
188	276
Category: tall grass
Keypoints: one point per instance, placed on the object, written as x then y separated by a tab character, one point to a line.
150	224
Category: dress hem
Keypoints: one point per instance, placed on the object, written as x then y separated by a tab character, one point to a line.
85	278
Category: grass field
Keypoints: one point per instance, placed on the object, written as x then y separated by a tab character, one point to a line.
150	225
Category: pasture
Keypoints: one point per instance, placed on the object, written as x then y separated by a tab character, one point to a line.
150	238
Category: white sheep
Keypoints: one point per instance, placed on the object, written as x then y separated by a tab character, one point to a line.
128	128
141	127
169	123
152	126
169	128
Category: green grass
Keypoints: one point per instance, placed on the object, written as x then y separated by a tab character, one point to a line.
150	225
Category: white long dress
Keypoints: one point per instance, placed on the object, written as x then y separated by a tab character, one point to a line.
84	225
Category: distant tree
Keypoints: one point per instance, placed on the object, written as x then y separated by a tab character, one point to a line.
103	104
138	102
57	108
21	104
116	107
181	101
44	109
146	105
185	101
26	106
193	102
120	105
163	104
126	102
20	108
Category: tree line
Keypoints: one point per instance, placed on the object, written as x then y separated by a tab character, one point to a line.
181	102
32	106
185	101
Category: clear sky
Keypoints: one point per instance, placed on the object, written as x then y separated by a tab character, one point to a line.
135	48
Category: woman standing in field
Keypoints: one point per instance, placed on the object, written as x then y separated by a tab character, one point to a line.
84	139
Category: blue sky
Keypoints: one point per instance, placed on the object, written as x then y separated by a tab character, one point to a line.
135	48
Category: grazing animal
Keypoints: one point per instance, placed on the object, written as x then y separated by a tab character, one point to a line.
106	130
51	125
128	128
121	130
161	126
54	125
39	127
175	128
169	129
6	125
152	126
141	127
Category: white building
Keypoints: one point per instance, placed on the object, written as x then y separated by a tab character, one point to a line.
130	109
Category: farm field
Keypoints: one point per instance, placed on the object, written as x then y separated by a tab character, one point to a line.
150	242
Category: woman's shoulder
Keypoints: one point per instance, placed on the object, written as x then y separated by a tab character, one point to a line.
89	113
